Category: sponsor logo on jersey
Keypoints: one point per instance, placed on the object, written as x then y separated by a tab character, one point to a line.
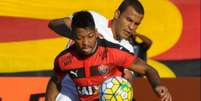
103	69
88	90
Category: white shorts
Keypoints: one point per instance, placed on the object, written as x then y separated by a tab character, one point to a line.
62	97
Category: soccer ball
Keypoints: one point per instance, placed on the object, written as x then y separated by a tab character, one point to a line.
116	89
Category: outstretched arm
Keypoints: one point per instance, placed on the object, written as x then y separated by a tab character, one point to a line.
141	67
145	40
61	26
52	89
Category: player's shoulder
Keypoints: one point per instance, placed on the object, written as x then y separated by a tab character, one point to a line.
96	14
108	44
66	51
98	18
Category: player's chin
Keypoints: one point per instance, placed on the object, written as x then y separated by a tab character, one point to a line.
87	51
126	35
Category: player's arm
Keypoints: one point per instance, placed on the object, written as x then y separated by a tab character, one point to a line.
146	42
54	84
53	88
141	67
61	26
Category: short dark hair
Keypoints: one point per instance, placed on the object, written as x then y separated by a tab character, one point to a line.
133	3
82	19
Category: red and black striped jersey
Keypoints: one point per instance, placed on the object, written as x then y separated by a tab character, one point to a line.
89	72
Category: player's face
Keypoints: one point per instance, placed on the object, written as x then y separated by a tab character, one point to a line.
86	40
127	22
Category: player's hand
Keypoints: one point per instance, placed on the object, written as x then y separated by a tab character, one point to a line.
163	92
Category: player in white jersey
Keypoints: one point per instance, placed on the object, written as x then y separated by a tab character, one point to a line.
103	26
118	30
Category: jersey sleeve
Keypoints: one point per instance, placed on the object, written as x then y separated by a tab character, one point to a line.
57	69
99	19
124	58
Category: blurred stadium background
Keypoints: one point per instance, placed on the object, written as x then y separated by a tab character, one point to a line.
28	47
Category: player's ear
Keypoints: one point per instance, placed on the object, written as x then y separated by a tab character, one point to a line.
116	14
100	36
96	33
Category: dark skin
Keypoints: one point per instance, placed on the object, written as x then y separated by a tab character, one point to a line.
85	43
61	26
52	89
85	40
145	41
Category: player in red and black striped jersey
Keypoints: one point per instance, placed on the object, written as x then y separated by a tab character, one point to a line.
91	60
89	72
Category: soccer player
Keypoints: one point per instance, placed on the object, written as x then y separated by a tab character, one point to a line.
118	30
90	60
126	19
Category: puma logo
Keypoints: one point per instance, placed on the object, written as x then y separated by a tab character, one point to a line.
121	48
74	72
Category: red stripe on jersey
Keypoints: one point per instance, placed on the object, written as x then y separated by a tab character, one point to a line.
109	23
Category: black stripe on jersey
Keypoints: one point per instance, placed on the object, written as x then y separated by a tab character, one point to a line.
94	71
108	44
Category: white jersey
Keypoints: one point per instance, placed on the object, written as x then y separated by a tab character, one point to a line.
102	26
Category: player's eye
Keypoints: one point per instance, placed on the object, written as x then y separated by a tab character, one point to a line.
137	24
91	35
129	19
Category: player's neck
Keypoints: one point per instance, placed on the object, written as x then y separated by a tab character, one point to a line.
115	34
